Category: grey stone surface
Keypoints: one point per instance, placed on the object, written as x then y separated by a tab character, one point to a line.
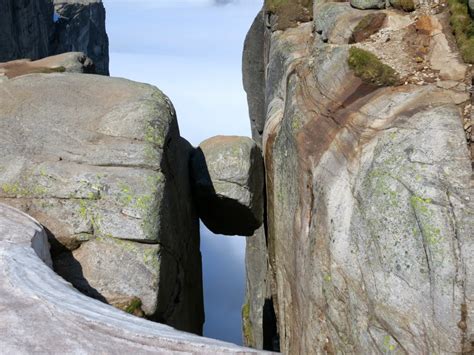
25	29
98	161
42	313
253	74
81	28
227	173
368	4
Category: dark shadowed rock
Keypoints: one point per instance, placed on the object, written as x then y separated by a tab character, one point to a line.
81	28
227	174
25	29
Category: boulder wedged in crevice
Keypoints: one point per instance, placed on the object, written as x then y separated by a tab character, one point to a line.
227	179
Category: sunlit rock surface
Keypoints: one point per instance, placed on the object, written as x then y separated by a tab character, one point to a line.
42	313
369	244
100	163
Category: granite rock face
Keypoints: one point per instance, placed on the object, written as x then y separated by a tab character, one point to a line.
42	313
100	163
25	29
227	174
368	246
81	28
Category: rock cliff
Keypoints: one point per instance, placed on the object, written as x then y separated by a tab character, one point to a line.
81	28
28	30
25	29
362	116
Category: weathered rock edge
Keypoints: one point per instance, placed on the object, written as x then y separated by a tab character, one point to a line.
41	312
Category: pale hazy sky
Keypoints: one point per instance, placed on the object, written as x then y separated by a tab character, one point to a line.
192	50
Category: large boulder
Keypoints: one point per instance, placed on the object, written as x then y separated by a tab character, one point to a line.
25	29
369	197
228	184
42	313
67	62
100	163
81	28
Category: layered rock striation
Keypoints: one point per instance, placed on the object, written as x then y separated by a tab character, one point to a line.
42	313
368	246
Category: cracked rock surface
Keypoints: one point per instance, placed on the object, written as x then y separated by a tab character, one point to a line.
100	163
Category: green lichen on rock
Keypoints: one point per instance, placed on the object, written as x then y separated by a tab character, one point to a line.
463	28
23	190
430	232
405	5
247	325
370	69
289	12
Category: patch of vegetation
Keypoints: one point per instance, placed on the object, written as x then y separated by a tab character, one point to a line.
405	5
134	306
463	28
370	69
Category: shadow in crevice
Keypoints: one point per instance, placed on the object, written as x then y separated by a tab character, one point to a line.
271	338
220	214
66	266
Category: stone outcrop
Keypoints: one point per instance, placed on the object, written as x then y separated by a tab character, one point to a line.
100	163
28	30
227	174
42	313
368	246
74	62
25	29
81	28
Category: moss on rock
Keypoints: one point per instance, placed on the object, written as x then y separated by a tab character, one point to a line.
463	28
370	69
